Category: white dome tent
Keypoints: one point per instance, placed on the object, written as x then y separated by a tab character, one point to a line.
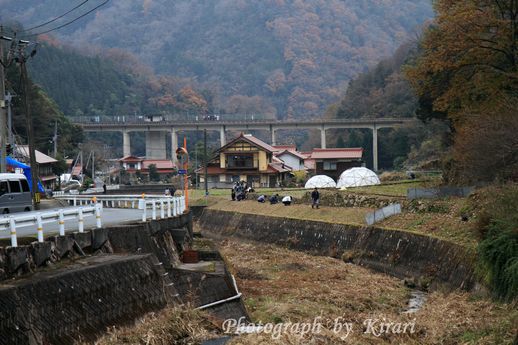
320	181
357	177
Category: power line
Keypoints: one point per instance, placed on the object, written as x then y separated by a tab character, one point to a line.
53	20
70	22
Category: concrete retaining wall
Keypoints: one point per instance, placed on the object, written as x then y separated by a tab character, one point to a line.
152	237
58	306
398	253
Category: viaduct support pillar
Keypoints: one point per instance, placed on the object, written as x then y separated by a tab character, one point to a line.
174	145
222	138
375	148
323	138
126	146
272	131
155	145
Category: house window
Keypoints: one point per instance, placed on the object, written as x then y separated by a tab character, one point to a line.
329	165
240	161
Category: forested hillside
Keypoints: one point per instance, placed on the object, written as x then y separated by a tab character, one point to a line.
108	82
283	58
45	113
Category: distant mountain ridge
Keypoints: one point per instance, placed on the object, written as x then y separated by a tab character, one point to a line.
291	57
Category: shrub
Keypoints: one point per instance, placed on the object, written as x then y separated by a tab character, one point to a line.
498	250
499	254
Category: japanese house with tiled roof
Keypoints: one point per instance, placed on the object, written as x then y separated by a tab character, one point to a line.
246	158
133	165
332	162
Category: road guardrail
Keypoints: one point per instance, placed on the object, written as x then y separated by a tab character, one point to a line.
172	206
15	221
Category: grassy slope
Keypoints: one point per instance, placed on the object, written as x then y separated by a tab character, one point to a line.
447	226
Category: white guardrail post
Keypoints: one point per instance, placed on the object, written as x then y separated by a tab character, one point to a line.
80	220
168	208
153	211
144	209
61	223
98	208
162	213
12	228
175	210
39	225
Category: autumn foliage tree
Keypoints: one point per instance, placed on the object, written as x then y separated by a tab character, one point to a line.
468	72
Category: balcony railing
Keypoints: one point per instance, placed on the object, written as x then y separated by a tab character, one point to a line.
252	164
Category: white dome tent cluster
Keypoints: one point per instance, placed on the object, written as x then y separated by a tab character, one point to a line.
320	181
357	177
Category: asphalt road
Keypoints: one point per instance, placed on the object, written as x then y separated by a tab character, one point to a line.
110	216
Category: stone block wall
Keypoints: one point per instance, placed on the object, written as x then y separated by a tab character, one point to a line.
81	300
398	253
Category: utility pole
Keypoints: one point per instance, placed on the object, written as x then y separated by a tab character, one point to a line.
10	135
3	127
93	168
205	163
196	164
81	163
30	129
55	139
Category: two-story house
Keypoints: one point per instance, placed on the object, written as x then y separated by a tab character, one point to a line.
290	156
246	158
332	162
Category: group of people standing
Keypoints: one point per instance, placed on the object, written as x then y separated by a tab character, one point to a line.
240	190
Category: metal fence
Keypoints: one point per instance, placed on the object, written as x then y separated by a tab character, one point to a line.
382	213
441	192
15	221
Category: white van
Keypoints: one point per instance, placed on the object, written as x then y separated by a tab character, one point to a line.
15	195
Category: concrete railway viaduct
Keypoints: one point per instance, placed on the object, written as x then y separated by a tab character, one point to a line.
157	129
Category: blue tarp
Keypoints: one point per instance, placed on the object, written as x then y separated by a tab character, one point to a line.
26	171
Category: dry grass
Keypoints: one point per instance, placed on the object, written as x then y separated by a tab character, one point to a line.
172	325
446	225
342	215
283	286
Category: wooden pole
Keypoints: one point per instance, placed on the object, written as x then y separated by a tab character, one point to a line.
186	183
3	122
30	135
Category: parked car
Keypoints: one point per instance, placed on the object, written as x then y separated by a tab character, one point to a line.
15	194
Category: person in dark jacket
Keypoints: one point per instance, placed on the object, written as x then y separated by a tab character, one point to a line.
274	199
315	197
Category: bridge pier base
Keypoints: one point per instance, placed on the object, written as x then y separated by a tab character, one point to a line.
375	148
323	138
155	145
222	138
126	146
272	131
